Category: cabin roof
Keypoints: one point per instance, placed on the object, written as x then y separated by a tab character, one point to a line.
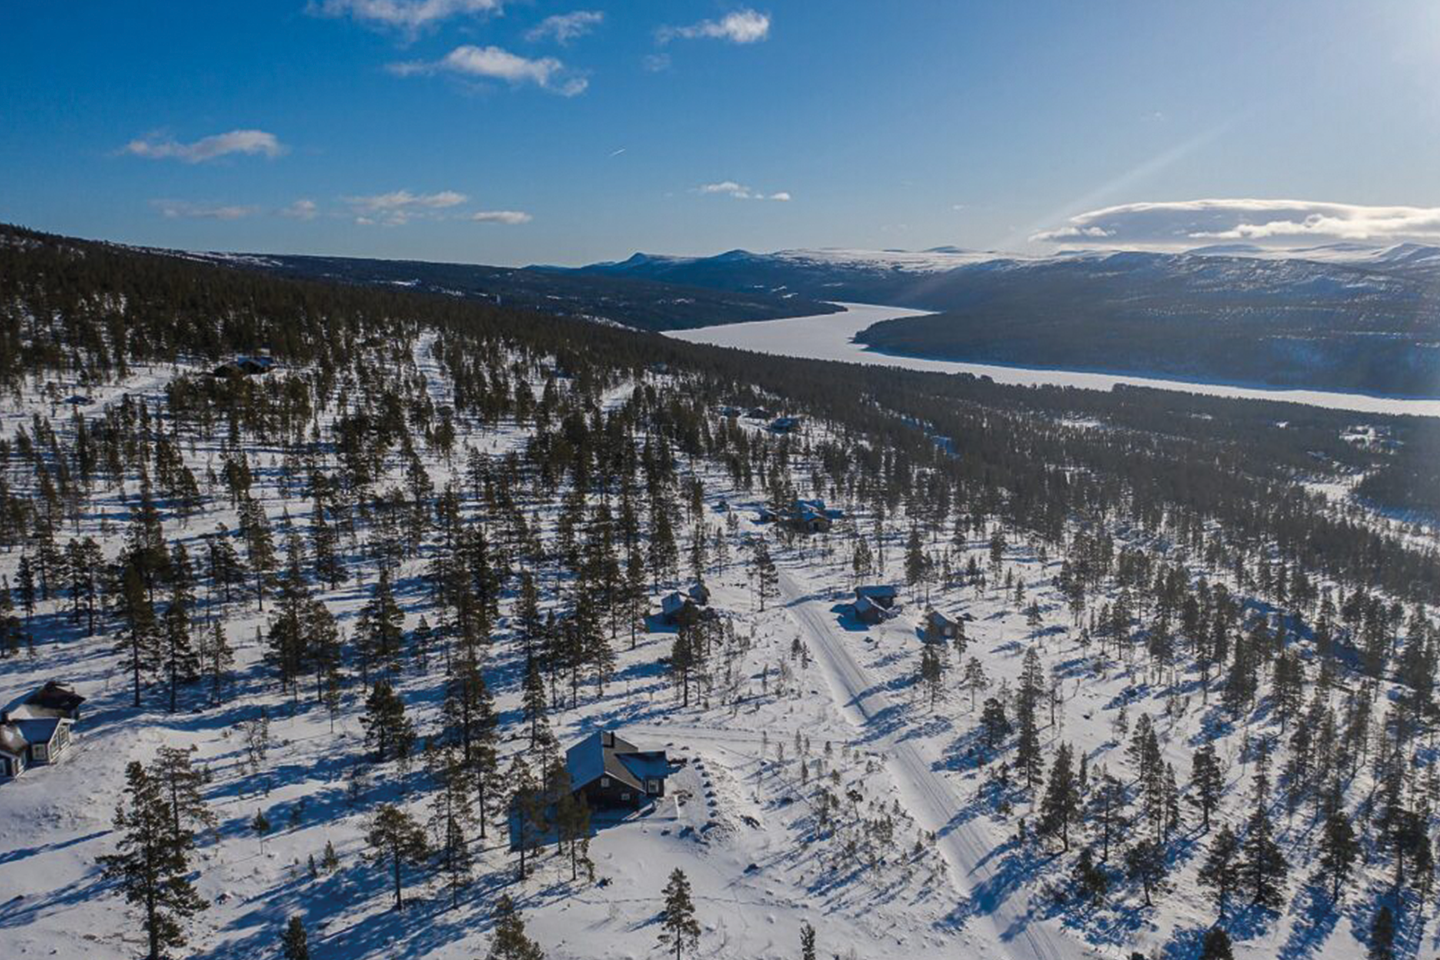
40	730
55	696
12	741
875	590
593	758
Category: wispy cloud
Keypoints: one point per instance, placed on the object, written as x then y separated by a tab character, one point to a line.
729	188
738	26
301	210
656	62
565	27
496	63
183	209
1185	223
409	16
508	217
252	142
402	206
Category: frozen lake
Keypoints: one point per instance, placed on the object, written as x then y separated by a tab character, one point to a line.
830	336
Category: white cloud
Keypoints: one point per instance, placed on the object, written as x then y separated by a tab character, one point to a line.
1189	222
301	210
738	26
729	188
656	62
178	209
496	63
402	206
564	27
208	148
409	16
508	217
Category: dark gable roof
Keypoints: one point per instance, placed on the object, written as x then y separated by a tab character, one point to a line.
55	696
604	754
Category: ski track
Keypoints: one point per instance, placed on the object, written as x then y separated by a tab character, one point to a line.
933	801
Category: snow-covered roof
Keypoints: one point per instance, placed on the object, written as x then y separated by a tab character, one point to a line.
39	731
12	741
875	590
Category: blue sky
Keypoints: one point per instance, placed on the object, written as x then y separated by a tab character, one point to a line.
487	131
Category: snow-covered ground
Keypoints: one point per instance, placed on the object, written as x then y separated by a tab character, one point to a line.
921	860
831	336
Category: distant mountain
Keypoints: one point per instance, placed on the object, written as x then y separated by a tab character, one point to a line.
1341	317
633	301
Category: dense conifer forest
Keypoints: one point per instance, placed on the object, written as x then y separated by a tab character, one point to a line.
355	604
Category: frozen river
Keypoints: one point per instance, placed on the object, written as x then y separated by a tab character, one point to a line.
830	336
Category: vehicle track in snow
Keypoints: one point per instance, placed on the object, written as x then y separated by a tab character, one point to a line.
931	798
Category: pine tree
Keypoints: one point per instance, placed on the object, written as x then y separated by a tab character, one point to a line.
533	699
1061	803
451	815
1338	850
1091	881
183	788
181	662
995	723
527	806
932	670
1145	862
1028	760
1263	866
152	862
387	730
1382	936
217	658
1207	782
383	620
1221	870
572	823
294	945
394	838
679	930
767	577
139	641
1107	806
510	941
1216	945
807	942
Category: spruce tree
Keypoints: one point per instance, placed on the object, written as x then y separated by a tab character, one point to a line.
510	941
152	862
1060	805
807	942
294	945
1028	760
679	930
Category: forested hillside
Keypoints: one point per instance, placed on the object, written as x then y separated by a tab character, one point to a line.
1371	325
338	618
631	302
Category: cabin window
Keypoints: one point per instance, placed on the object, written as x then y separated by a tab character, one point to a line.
604	781
41	752
624	796
654	786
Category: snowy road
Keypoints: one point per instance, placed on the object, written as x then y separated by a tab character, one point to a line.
931	799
